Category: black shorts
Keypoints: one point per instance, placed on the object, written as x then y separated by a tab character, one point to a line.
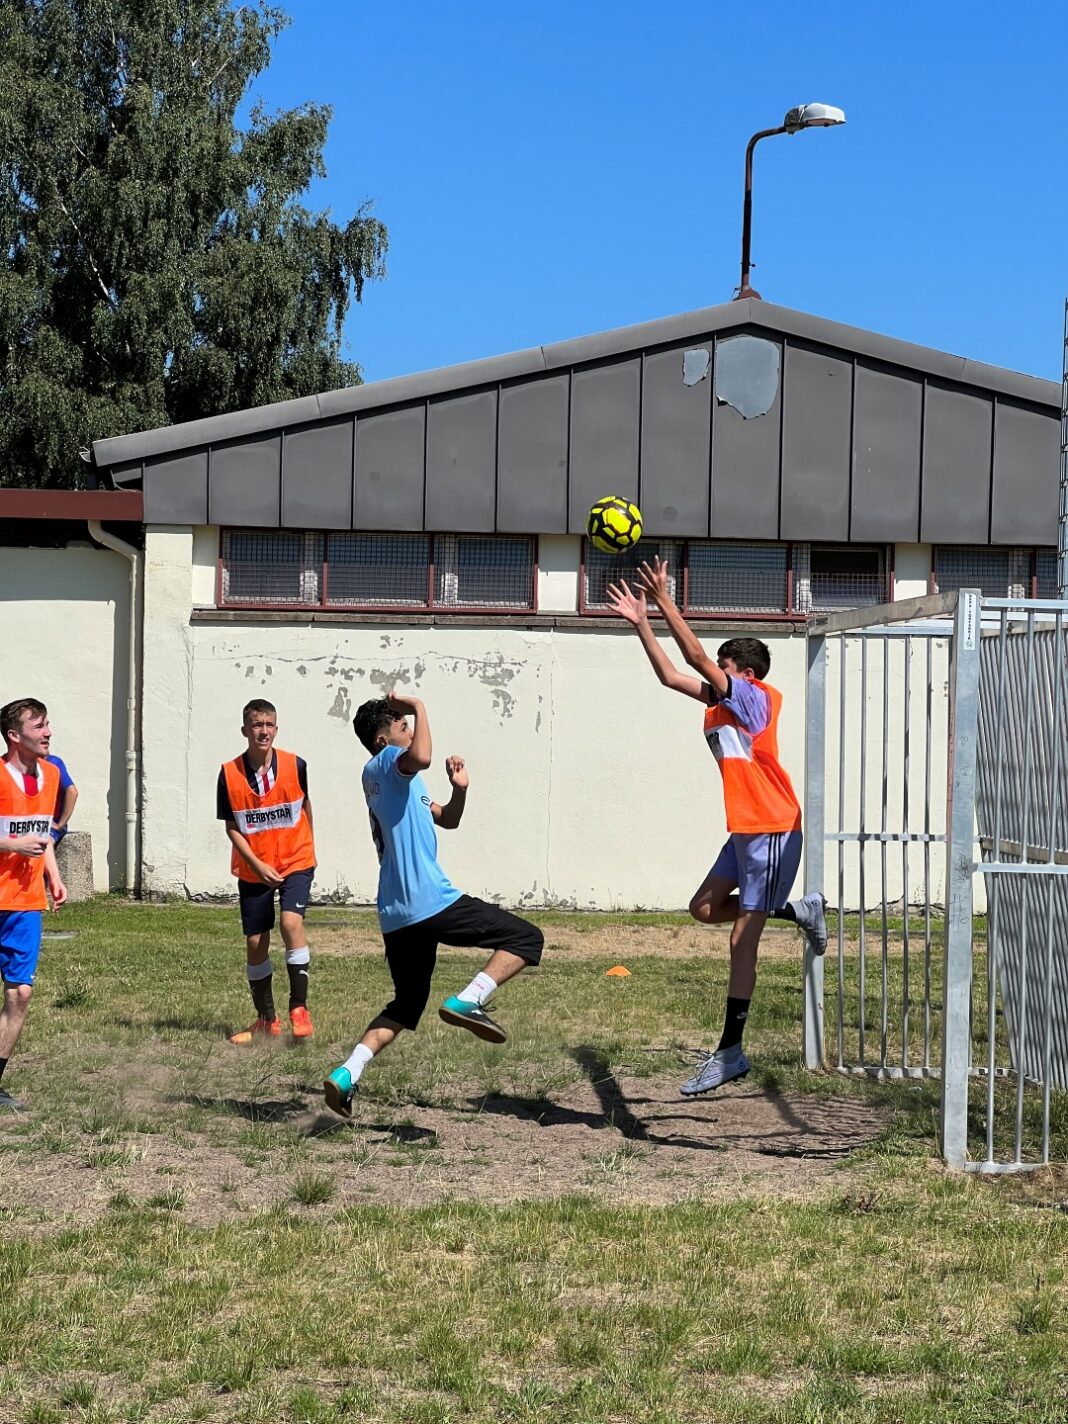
411	952
257	900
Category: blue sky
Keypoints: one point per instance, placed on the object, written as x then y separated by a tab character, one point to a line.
551	170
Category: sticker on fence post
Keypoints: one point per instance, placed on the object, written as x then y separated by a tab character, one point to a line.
970	619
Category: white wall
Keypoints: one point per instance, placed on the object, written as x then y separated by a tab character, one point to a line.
591	785
66	617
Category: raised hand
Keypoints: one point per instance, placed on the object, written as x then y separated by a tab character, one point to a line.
404	705
456	771
626	603
653	579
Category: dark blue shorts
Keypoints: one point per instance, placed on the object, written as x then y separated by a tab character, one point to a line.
20	945
257	900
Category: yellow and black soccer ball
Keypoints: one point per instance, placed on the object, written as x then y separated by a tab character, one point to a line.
614	525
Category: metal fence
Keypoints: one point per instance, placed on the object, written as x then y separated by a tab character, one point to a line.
936	787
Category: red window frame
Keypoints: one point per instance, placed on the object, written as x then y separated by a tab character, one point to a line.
430	606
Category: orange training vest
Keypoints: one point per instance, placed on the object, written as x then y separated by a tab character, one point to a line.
757	791
275	824
22	883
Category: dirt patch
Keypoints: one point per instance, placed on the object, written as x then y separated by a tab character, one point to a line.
607	941
623	1141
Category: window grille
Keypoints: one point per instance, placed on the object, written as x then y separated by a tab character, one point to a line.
839	576
601	569
478	572
725	578
997	573
271	566
291	568
378	570
1045	573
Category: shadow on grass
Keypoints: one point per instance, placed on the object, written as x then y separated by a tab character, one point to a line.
252	1110
213	1026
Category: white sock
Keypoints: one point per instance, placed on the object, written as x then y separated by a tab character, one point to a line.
357	1061
479	989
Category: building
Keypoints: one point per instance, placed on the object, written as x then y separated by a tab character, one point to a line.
428	531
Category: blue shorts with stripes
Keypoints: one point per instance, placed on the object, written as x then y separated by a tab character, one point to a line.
763	868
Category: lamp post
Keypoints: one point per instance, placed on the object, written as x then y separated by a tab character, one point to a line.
805	116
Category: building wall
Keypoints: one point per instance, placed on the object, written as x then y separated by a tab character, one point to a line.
591	785
67	617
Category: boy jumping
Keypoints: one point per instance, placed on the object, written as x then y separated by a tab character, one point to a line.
29	785
262	796
756	868
418	908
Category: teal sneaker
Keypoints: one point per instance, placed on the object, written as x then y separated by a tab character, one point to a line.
339	1091
473	1017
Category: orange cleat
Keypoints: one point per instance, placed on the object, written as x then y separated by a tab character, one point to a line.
300	1022
262	1028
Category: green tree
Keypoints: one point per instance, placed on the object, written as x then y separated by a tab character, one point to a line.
158	262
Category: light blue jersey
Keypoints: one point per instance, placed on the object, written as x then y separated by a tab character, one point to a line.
411	884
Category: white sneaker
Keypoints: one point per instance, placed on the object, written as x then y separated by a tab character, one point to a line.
718	1068
811	916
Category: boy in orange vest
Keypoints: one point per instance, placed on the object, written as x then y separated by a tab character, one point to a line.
755	870
29	785
262	797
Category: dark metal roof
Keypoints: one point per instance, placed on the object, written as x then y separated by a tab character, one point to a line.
863	437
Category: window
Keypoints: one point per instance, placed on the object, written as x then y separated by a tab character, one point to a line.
839	576
284	568
715	578
996	572
601	569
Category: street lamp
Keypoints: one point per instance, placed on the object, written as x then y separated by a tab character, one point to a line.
805	116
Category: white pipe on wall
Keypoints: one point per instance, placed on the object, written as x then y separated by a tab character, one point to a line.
128	551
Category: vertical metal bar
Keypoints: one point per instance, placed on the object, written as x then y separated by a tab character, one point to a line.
884	985
1025	838
862	845
993	892
815	833
905	848
1057	671
927	861
841	846
960	799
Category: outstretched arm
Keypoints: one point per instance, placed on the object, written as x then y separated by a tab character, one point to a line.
634	609
653	581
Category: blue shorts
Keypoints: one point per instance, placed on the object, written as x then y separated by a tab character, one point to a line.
763	868
257	899
20	945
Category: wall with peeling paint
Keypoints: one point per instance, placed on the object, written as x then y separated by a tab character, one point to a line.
591	785
68	612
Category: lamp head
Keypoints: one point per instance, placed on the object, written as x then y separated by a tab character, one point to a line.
813	116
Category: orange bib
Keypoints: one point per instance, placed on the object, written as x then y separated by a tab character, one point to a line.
275	824
22	884
757	791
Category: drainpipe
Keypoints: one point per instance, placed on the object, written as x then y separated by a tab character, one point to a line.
133	877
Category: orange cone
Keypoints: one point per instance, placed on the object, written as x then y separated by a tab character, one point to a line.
617	972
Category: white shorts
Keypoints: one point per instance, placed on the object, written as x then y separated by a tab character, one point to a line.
763	868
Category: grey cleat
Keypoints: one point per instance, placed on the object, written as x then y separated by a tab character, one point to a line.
718	1068
811	916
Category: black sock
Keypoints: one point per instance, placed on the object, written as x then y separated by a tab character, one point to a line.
298	985
263	997
786	913
734	1023
3	1065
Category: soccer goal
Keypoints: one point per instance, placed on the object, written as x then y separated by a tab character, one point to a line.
936	822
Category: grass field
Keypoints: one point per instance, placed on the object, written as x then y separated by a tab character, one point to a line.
544	1231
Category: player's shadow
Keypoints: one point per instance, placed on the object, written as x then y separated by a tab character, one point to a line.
186	1025
616	1110
251	1109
